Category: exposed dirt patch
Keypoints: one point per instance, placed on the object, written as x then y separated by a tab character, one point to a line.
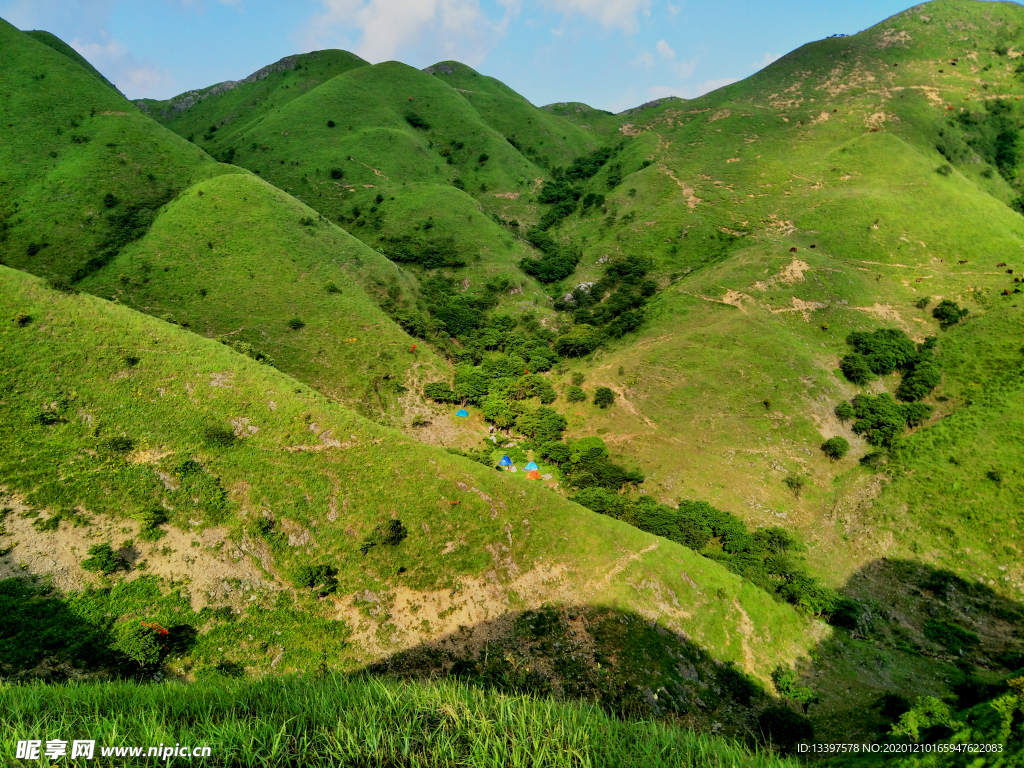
891	38
688	192
218	572
883	312
803	307
790	274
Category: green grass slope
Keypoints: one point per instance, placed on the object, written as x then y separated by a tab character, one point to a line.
832	151
114	421
541	136
69	142
236	259
378	149
60	46
101	204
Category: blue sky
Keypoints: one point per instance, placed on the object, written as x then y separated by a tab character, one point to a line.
611	54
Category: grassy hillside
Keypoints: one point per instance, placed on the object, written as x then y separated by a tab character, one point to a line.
407	161
536	133
70	141
829	250
234	258
232	496
833	151
60	46
104	206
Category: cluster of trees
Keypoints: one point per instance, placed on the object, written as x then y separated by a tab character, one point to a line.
588	466
557	260
428	252
768	557
992	134
612	307
886	350
880	419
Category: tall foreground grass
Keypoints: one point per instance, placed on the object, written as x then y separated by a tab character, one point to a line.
353	722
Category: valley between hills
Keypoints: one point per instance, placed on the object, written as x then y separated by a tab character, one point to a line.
761	350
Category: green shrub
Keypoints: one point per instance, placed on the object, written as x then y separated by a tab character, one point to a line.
416	121
880	419
787	683
323	579
575	394
337	173
948	313
330	123
954	638
795	483
296	324
885	350
391	533
440	392
581	340
944	170
920	381
836	447
104	559
332	288
916	414
844	412
21	319
110	200
119	444
856	369
142	643
604	397
577	378
542	425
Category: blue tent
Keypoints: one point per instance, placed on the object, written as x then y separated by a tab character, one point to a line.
530	466
463	413
505	462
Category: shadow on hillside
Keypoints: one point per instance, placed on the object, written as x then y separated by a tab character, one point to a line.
919	631
43	637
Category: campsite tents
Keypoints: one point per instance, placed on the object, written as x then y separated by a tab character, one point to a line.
505	462
463	413
531	466
533	474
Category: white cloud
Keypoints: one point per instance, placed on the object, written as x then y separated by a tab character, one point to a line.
672	8
665	49
619	14
378	30
768	59
644	59
134	78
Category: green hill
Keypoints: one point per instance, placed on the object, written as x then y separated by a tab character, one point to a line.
103	198
234	106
